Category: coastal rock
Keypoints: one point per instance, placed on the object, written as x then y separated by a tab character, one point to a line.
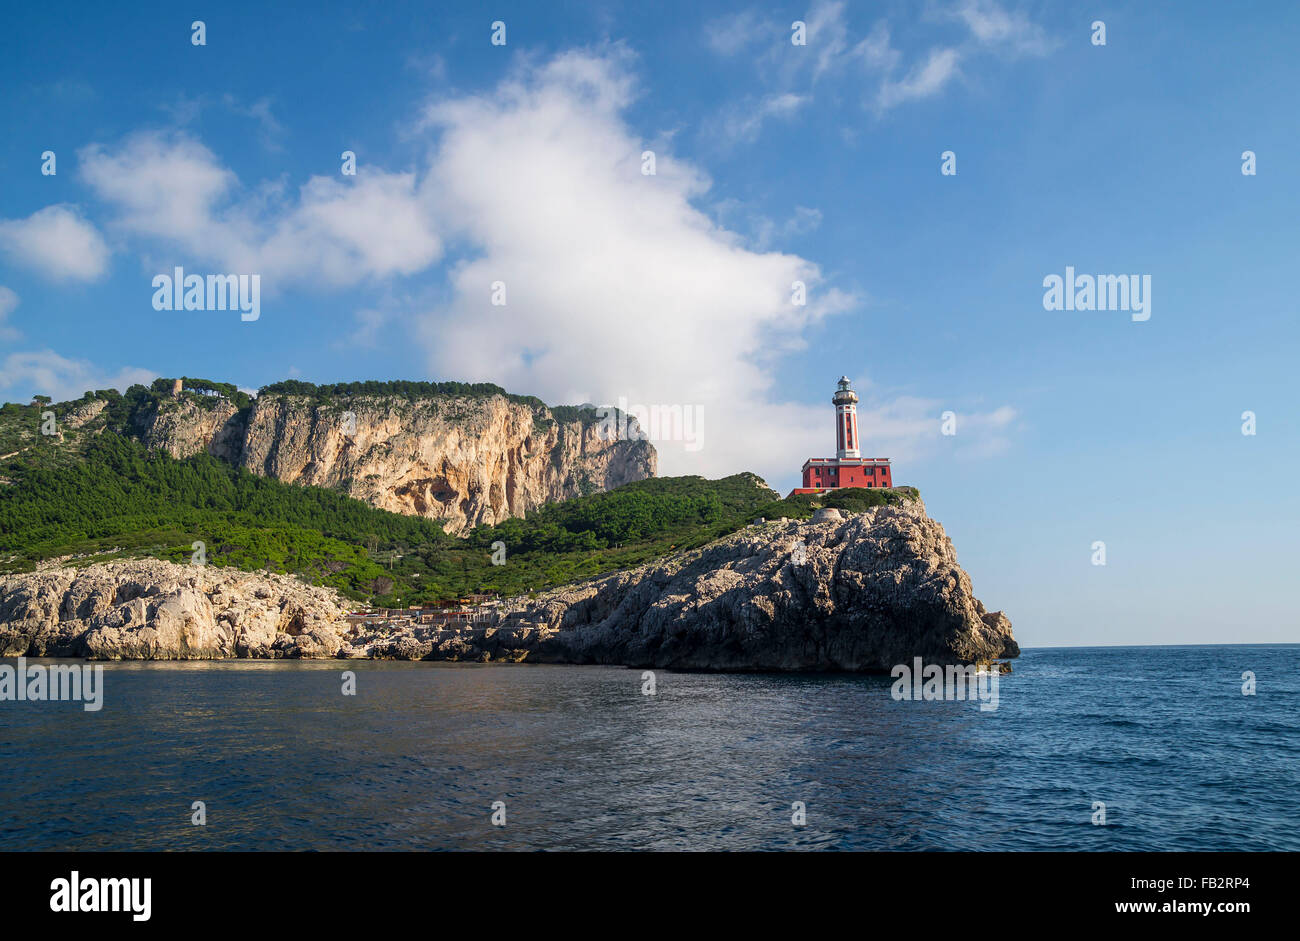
147	609
861	594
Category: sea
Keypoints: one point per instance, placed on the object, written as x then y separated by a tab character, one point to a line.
1088	749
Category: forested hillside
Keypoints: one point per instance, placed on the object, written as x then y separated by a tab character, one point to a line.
97	494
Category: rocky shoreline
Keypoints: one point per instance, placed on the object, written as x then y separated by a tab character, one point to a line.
146	609
856	594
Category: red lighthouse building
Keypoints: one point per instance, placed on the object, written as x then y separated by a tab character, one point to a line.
848	468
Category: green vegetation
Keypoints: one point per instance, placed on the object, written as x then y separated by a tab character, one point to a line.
399	388
122	499
413	391
123	414
97	493
571	413
19	426
163	388
128	413
851	499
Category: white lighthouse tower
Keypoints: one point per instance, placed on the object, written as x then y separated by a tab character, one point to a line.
846	420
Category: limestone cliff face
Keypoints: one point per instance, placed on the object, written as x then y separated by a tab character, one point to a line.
183	427
465	461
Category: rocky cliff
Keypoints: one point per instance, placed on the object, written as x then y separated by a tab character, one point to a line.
144	609
858	594
463	460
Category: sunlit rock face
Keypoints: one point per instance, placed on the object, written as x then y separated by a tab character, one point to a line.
860	594
464	461
863	594
147	609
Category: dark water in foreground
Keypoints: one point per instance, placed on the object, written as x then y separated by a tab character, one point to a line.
583	760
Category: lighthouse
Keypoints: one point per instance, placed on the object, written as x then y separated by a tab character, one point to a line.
848	468
846	420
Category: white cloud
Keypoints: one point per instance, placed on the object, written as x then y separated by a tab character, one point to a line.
985	434
342	232
763	231
993	25
876	51
186	110
992	29
617	285
766	39
827	35
786	66
47	373
272	131
743	121
8	303
173	190
57	242
926	79
908	429
164	187
831	54
370	321
732	34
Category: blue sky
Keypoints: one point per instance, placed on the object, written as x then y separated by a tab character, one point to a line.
523	163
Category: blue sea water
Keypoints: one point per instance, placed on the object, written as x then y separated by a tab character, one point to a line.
1163	736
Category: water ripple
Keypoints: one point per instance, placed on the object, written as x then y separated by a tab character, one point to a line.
582	760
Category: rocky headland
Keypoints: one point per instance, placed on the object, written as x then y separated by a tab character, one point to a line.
859	593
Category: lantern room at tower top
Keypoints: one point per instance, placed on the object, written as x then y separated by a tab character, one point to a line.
848	468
